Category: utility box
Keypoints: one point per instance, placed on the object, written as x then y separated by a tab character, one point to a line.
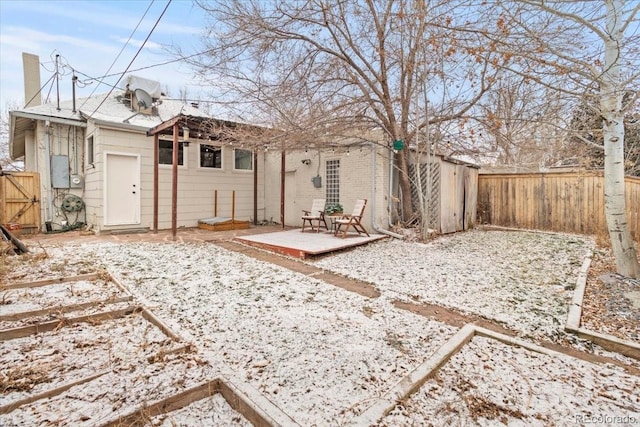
76	181
60	171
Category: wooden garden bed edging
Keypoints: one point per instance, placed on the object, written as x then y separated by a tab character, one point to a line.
5	409
416	378
254	407
152	318
64	308
54	281
606	341
25	331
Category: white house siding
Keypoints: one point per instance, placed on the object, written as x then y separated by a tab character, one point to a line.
196	186
117	141
271	173
62	140
93	180
359	179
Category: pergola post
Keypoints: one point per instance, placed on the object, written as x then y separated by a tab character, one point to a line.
156	161
174	184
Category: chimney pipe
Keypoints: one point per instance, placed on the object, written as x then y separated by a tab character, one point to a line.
73	91
57	83
31	75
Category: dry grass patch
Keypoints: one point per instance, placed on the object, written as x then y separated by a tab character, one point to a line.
23	378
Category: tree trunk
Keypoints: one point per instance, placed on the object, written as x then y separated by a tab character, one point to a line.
614	200
405	185
611	95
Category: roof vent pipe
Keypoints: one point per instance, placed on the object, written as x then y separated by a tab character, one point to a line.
57	82
74	79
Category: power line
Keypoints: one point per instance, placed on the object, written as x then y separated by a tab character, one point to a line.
182	58
134	58
101	81
39	90
121	50
98	79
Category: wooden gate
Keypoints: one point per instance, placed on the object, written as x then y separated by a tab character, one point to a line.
20	200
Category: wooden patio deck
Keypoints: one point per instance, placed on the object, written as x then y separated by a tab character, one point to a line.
297	244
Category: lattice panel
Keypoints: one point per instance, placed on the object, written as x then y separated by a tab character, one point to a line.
427	175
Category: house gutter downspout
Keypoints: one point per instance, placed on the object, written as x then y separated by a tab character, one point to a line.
282	182
374	224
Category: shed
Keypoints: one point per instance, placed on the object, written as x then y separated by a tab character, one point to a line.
449	192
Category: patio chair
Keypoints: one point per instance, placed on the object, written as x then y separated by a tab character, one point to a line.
352	220
315	214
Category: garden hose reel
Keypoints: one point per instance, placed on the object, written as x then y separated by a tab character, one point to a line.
72	203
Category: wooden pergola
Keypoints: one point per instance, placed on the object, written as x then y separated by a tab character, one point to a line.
186	127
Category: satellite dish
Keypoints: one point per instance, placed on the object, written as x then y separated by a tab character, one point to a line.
144	99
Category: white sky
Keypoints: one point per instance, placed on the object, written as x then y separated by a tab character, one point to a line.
88	35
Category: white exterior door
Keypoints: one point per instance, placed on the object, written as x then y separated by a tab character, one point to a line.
122	189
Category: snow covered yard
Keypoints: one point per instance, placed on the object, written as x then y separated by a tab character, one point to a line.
524	280
322	354
489	383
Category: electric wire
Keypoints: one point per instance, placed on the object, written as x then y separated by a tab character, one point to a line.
182	58
55	75
133	59
100	79
121	50
39	90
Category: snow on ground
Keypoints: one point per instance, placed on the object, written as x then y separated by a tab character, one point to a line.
31	299
318	352
128	385
321	353
66	354
522	279
493	383
212	411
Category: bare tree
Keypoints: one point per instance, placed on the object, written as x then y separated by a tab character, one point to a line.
519	119
586	141
317	70
6	163
576	48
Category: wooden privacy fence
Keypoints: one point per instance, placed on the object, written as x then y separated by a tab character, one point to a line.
20	200
571	202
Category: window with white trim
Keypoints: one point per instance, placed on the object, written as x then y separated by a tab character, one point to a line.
166	152
332	185
90	154
243	159
210	156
